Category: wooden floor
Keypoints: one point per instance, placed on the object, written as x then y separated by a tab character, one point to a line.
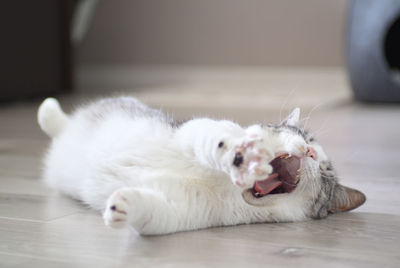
39	228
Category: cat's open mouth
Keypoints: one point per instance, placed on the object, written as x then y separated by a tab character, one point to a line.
283	179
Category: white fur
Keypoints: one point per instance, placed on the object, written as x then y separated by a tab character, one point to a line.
51	118
293	118
160	179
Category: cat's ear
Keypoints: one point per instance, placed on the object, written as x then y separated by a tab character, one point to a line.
345	198
292	119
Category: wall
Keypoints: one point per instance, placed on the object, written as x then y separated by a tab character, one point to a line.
217	32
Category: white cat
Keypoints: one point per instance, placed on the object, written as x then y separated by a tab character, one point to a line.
144	170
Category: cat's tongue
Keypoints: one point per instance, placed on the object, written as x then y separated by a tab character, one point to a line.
268	185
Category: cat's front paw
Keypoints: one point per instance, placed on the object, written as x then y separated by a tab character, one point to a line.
251	161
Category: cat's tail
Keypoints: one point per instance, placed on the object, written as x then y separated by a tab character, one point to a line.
51	117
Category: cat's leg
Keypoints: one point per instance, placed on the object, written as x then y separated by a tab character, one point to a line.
244	154
147	211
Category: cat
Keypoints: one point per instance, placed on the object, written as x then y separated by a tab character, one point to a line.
144	170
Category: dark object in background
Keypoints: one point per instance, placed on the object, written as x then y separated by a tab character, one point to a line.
35	51
374	50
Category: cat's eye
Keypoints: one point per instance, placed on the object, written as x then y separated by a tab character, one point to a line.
221	144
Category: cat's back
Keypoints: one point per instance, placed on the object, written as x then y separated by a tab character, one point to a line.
123	119
113	116
110	127
106	133
120	106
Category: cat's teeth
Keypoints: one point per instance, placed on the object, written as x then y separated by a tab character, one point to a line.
257	194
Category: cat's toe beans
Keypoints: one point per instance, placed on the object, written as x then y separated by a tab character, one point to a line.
221	144
116	223
115	219
117	210
238	160
251	161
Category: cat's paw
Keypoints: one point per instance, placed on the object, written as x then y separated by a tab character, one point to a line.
118	209
251	161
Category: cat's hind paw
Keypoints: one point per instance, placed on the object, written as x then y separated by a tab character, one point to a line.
117	210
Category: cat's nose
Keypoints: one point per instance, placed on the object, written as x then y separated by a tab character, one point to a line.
311	153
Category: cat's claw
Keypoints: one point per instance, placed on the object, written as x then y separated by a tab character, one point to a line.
117	210
251	161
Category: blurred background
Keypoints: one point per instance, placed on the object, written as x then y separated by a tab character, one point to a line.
93	46
277	33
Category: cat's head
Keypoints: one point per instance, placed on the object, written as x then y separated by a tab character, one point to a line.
303	182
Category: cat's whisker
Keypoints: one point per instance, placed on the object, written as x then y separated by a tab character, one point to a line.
317	132
285	102
321	133
311	111
313	192
297	178
315	189
303	120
